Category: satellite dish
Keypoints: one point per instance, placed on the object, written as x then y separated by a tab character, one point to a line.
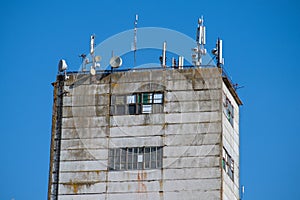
62	65
214	51
195	49
115	61
92	71
97	58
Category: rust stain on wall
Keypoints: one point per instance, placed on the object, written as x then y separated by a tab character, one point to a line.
141	176
76	186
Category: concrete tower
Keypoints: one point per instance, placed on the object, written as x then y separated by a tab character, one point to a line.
159	133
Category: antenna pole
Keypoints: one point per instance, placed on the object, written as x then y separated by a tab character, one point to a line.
200	21
92	49
201	40
135	38
164	54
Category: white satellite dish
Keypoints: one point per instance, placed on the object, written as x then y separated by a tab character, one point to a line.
93	71
62	65
115	61
97	58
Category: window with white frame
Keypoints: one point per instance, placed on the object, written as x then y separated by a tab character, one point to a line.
228	164
137	103
228	109
133	158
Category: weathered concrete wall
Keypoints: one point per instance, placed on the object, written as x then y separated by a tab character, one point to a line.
189	129
84	141
230	140
192	135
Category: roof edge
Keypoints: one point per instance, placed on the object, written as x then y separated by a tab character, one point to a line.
232	90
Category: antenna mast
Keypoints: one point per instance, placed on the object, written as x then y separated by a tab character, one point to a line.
201	40
135	39
95	59
92	49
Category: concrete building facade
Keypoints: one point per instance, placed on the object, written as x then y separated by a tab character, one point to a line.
145	134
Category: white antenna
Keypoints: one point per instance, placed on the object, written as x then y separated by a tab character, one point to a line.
92	50
135	38
92	44
220	59
173	62
180	62
242	191
201	37
164	54
201	41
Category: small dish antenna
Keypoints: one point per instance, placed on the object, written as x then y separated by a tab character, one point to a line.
93	71
97	58
115	61
214	51
62	65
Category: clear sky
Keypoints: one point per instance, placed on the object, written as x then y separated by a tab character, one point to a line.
261	45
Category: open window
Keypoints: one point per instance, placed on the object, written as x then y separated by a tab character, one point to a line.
137	103
228	164
228	109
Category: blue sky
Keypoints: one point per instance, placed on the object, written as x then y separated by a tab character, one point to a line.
261	44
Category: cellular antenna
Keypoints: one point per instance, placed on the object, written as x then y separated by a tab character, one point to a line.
201	41
220	59
135	38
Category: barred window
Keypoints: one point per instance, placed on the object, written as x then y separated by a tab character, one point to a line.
135	158
137	103
228	109
228	164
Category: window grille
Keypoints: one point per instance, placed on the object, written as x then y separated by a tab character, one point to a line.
133	158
